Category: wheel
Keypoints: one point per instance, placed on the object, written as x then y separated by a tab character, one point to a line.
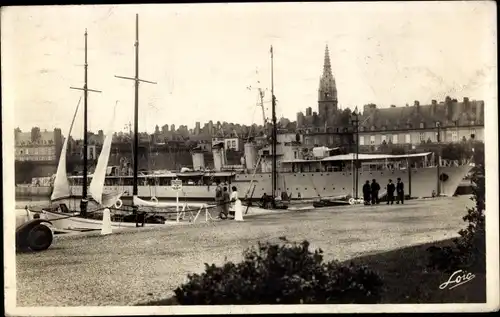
40	238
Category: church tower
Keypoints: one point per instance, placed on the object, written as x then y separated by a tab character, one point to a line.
327	92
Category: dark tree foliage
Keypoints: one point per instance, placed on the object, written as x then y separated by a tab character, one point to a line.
24	171
469	250
281	274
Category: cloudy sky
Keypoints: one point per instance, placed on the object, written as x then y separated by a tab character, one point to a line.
204	56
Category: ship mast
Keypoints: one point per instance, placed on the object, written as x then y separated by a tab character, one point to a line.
84	201
274	135
136	79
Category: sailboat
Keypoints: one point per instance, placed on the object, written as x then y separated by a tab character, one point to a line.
60	212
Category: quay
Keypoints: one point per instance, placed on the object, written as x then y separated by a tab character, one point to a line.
137	265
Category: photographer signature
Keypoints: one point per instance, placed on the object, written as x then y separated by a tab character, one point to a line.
457	278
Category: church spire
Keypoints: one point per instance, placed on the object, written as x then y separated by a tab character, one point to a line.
327	66
327	91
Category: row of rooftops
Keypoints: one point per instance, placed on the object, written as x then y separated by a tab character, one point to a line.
449	112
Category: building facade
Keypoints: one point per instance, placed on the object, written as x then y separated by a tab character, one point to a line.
235	144
40	146
408	125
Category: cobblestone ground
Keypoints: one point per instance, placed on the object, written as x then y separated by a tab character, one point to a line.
142	265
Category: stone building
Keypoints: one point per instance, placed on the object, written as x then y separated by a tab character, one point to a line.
410	125
457	121
40	146
407	125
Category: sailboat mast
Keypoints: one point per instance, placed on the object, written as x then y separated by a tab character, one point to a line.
274	135
136	79
136	108
83	203
85	140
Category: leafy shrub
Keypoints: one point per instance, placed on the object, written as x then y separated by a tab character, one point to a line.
285	273
469	250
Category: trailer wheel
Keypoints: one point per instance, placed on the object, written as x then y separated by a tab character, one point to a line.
40	238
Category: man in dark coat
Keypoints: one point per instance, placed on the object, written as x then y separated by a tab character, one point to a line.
366	192
391	188
375	189
400	191
218	197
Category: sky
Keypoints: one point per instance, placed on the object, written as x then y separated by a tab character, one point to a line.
204	56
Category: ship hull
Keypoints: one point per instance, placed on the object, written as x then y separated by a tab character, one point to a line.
311	185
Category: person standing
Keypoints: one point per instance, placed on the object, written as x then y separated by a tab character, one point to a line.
218	197
366	192
375	187
400	191
237	207
391	188
226	200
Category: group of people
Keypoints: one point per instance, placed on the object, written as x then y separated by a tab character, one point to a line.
371	192
224	200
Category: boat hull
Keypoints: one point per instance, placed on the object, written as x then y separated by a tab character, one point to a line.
311	185
70	221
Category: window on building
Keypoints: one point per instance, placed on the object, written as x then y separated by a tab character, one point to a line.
422	125
294	154
372	139
422	137
233	143
472	122
361	140
383	138
437	124
454	136
330	139
395	139
407	138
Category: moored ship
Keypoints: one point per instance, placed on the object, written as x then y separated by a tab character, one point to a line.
304	177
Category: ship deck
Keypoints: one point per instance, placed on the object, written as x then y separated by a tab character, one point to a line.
143	265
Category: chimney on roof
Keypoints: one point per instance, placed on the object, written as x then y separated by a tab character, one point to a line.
407	105
466	105
433	107
393	106
479	111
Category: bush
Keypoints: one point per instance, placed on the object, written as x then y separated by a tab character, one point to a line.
281	274
469	250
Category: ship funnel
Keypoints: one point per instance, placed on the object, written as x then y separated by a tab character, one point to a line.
219	159
250	155
198	161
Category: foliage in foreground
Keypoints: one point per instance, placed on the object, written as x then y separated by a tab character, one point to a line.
287	273
469	250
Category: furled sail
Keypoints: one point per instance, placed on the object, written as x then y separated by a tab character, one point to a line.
97	184
61	184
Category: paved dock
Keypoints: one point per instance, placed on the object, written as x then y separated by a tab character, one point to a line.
139	265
